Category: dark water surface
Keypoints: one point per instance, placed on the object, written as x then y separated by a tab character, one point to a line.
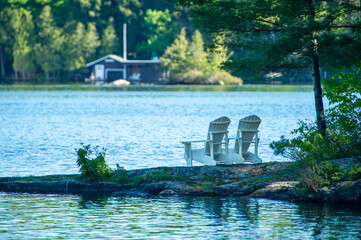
40	130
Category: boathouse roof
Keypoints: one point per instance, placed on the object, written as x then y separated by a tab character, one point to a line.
121	60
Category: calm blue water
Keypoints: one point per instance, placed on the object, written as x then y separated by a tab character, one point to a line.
40	130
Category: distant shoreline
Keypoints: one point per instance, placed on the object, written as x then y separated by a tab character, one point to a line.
180	88
271	180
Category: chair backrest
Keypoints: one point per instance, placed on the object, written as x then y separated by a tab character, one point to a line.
247	128
216	132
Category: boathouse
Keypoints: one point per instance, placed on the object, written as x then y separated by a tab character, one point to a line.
112	67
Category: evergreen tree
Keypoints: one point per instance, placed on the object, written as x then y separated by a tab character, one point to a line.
74	49
109	42
188	63
90	42
282	33
23	52
49	45
176	56
197	58
6	37
217	54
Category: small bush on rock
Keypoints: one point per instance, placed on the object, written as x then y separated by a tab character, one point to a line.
120	175
92	163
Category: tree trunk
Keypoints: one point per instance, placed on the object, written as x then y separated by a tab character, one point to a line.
321	122
320	116
23	74
2	64
16	75
47	76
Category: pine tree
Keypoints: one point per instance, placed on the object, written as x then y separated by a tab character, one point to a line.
197	56
73	54
189	63
6	37
23	52
176	56
109	42
285	33
90	42
49	45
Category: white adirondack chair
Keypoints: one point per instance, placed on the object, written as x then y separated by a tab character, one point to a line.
247	133
215	149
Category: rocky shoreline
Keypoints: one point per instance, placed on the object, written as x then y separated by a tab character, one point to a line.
273	180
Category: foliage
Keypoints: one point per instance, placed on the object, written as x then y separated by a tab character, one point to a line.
188	63
176	55
224	77
48	49
314	177
344	125
53	40
6	36
74	55
309	148
93	168
159	30
343	93
334	173
269	34
49	178
189	77
109	42
24	57
120	175
151	176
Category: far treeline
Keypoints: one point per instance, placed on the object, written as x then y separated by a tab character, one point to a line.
51	41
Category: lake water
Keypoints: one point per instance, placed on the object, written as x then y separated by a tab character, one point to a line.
39	131
72	217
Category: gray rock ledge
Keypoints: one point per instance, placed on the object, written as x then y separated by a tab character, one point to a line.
273	180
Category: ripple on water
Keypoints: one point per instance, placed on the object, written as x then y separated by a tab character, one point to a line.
75	217
40	130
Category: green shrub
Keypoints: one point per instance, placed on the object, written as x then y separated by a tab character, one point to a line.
151	176
92	163
189	77
156	176
180	178
309	149
208	178
225	77
342	138
120	175
355	172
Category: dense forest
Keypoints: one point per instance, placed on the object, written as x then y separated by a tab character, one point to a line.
52	40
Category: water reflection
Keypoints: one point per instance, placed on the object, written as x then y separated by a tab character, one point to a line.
91	200
332	219
109	217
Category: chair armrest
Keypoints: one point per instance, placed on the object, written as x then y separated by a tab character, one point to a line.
192	141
